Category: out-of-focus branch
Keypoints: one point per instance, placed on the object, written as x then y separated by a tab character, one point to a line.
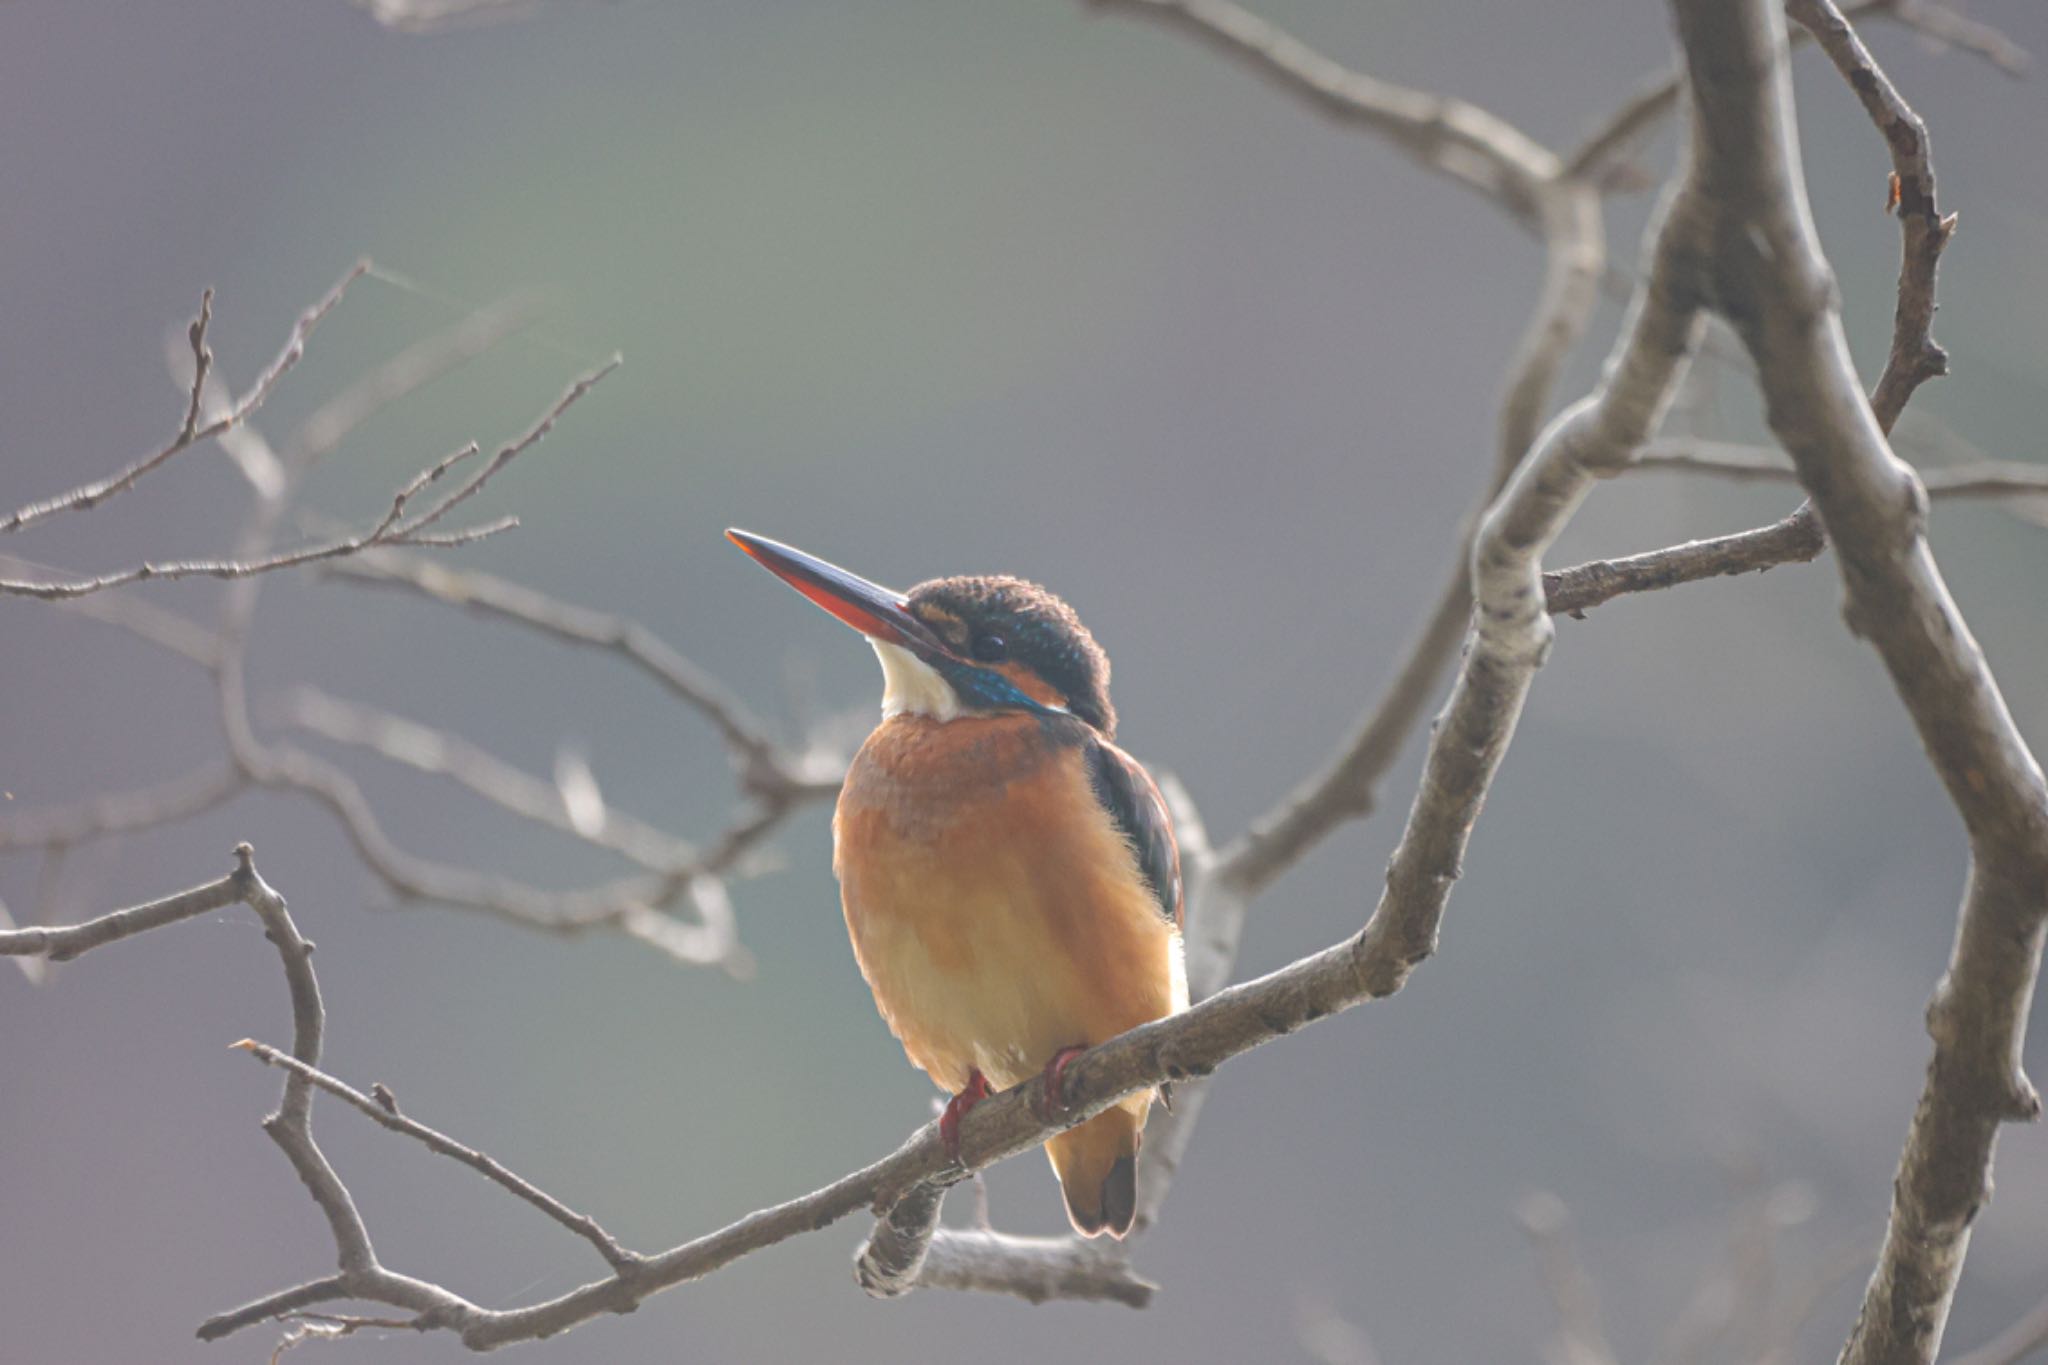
193	431
765	769
1346	789
428	750
146	621
1773	282
1752	464
1580	1339
1447	135
441	16
201	789
2015	1343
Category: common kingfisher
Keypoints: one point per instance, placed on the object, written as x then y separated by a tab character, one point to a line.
1009	876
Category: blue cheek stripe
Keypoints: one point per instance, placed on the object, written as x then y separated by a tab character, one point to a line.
986	689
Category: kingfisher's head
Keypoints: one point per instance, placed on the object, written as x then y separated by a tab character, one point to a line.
958	646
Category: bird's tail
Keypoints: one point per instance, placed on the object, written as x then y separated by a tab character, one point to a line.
1097	1164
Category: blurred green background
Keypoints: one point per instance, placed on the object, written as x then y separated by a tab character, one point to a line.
935	289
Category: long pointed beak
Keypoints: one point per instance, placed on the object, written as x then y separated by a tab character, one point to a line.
875	611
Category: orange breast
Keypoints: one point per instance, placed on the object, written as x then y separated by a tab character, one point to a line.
995	909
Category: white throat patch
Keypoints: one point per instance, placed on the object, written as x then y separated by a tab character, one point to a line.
912	687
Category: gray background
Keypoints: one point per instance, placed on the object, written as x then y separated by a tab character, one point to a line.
934	289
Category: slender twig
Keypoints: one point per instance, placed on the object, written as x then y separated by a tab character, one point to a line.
192	432
393	529
1755	464
383	1110
61	943
1797	539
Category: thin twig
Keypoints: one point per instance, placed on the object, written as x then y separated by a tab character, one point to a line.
383	1110
192	432
392	530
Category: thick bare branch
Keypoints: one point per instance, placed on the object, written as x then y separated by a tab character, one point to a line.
1596	157
1773	282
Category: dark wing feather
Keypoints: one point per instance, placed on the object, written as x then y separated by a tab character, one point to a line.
1133	801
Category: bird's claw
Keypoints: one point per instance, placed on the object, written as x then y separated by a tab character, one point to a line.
1054	1102
974	1092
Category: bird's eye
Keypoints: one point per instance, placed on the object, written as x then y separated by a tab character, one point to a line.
991	648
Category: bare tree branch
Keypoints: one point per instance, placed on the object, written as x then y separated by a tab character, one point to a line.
62	943
1752	464
1446	135
1732	237
1644	111
383	1110
1773	282
192	432
442	16
202	789
1508	646
1573	592
429	750
393	529
766	770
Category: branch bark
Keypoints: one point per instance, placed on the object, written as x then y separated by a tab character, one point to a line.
1773	282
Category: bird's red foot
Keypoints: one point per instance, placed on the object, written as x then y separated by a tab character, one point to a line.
956	1109
1055	1087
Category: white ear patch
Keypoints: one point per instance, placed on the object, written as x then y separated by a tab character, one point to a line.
912	687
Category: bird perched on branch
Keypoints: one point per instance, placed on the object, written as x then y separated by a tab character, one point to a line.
1009	875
